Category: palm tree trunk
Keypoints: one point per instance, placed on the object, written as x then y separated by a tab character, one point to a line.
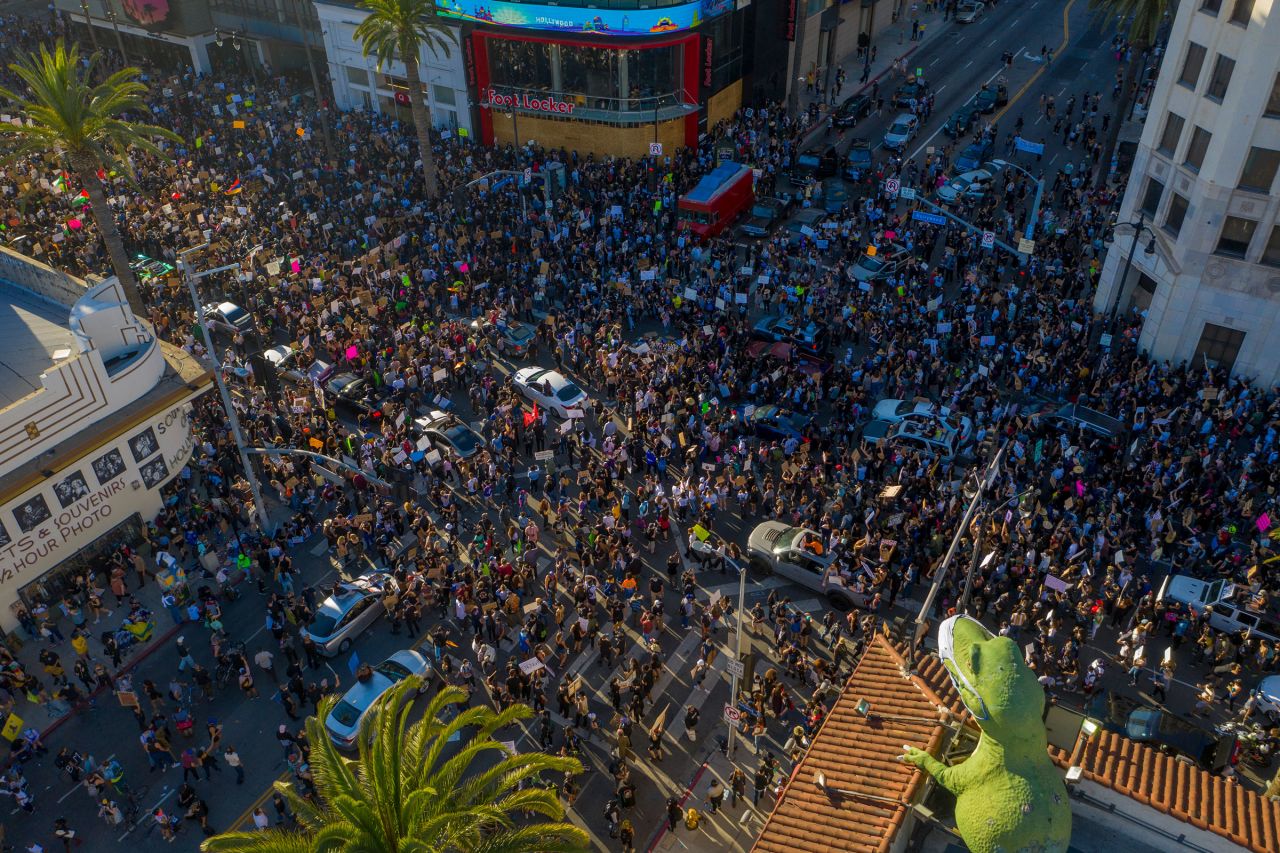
1122	108
87	171
422	122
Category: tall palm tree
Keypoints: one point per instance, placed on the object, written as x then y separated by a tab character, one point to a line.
403	796
84	125
1141	20
399	29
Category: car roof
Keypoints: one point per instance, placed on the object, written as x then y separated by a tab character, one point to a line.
811	214
904	117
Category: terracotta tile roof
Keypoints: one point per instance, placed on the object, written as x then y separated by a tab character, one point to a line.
859	754
1177	789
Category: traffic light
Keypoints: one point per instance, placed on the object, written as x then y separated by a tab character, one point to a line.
266	373
555	180
401	484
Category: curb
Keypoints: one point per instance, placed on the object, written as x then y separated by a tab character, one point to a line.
688	792
821	127
138	658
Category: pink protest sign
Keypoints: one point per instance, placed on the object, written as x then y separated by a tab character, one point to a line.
1264	522
353	353
294	265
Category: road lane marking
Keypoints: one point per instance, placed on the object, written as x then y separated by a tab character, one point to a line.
1066	38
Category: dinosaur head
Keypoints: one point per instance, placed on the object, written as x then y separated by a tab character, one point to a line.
994	681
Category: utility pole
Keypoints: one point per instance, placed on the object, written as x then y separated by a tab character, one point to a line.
232	418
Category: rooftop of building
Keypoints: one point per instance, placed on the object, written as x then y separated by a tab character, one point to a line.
35	335
857	751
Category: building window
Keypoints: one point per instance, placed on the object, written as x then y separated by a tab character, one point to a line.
1196	148
1192	64
1219	345
444	96
1271	254
1259	169
1273	102
1241	12
1221	77
359	76
1177	213
1236	234
1211	7
1151	198
1172	133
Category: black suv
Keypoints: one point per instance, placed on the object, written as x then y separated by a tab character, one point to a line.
859	163
854	109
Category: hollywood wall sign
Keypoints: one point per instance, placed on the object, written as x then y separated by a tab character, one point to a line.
525	101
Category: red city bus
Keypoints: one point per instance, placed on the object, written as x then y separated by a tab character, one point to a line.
718	199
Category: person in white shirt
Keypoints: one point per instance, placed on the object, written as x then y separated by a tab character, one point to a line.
260	819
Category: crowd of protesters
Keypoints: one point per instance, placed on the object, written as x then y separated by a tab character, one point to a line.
348	262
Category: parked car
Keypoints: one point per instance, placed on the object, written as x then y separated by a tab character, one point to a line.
973	156
317	372
859	162
284	359
1175	736
929	436
835	195
882	264
507	337
988	98
967	13
811	218
551	390
354	606
1268	702
894	410
854	109
913	89
901	132
146	268
352	391
449	434
763	217
343	722
228	317
800	556
1071	415
775	422
810	340
973	184
961	121
814	166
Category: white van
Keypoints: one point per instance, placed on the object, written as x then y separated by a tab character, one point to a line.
1229	606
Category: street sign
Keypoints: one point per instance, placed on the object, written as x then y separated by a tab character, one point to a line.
891	186
528	175
907	193
988	239
735	667
1026	247
655	149
931	218
731	714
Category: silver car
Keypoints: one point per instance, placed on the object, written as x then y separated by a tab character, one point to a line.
901	132
343	722
342	616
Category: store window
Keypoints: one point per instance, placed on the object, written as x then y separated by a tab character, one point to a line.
94	558
593	72
596	78
1236	234
524	65
1220	345
727	38
1191	66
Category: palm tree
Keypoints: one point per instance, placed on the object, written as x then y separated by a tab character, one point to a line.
83	124
399	29
402	796
1143	18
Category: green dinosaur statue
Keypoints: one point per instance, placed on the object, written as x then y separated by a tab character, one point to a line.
1010	798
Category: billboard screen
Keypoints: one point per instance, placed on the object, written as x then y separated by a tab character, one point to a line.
570	19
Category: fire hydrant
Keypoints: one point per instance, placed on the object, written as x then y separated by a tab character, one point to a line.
691	818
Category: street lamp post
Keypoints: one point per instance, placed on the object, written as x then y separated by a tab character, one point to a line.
737	644
88	22
232	418
115	25
1138	227
1030	231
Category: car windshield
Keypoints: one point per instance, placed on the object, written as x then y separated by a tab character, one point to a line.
900	127
762	210
322	624
859	155
342	383
870	263
393	669
345	714
568	393
809	161
905	407
234	315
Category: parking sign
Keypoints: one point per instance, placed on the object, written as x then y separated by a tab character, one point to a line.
891	186
655	149
988	239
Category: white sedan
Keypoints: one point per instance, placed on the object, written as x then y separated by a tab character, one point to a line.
973	184
1268	691
894	411
343	722
551	390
